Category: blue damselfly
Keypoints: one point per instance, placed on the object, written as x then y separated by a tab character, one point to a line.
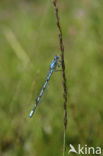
53	67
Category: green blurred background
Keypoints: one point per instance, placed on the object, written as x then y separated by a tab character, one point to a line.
28	43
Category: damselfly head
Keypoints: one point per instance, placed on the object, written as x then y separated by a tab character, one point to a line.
56	57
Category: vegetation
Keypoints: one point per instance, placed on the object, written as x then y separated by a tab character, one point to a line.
28	43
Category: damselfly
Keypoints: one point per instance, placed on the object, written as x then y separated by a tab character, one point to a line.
53	67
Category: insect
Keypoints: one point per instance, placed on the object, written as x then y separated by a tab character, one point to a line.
54	64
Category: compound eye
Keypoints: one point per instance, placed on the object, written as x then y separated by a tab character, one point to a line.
57	57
